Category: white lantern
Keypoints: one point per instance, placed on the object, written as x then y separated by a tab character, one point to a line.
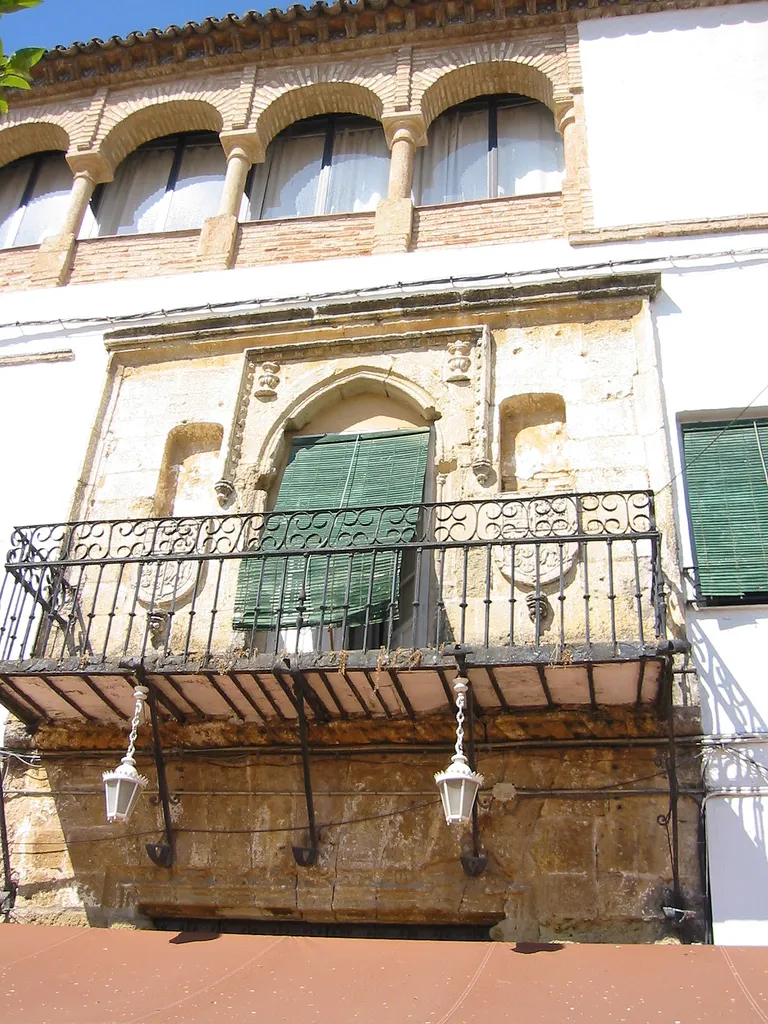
123	786
458	784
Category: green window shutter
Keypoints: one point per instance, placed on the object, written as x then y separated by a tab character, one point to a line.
727	488
353	472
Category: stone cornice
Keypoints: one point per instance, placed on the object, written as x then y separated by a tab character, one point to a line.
301	33
240	330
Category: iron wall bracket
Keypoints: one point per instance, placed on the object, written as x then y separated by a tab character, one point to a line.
162	854
305	856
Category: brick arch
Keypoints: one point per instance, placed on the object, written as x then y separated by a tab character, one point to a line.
18	140
154	119
303	101
495	76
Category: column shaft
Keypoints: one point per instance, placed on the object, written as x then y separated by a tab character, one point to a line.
401	165
238	165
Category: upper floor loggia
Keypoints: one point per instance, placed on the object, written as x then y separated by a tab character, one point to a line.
327	169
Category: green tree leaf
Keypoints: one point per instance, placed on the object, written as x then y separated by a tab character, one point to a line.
12	6
9	80
26	58
15	67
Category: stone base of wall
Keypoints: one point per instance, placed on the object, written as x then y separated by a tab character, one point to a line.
574	855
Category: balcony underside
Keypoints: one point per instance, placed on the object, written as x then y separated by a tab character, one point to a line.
355	685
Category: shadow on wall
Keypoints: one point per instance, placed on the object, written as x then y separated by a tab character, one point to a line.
674	21
737	861
728	709
736	831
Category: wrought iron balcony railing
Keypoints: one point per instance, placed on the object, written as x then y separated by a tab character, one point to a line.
535	577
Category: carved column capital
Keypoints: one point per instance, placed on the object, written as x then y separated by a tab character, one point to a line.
93	165
406	127
244	143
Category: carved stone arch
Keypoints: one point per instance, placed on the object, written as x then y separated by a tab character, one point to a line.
316	395
298	102
154	117
500	75
18	140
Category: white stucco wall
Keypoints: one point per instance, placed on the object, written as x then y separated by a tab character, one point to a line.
677	105
712	342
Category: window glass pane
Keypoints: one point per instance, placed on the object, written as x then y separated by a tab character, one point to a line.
359	169
197	192
135	201
48	203
454	164
13	181
290	177
530	151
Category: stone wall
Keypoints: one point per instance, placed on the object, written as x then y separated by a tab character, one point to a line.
560	866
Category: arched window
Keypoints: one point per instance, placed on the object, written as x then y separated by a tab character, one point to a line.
34	193
336	164
487	148
167	184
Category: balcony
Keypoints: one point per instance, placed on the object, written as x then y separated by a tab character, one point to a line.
556	601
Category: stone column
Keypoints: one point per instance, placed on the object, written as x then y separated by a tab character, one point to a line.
394	215
576	195
401	164
216	248
56	253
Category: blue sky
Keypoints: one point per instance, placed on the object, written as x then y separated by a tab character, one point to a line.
66	21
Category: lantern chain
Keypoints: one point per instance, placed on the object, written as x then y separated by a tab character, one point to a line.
460	688
140	694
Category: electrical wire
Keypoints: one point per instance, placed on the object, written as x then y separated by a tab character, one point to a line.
598	790
233	832
687	464
453	282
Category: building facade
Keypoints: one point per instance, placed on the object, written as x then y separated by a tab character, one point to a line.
353	350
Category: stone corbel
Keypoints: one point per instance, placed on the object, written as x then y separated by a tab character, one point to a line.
482	464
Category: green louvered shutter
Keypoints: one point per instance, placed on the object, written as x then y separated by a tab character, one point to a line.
346	471
725	473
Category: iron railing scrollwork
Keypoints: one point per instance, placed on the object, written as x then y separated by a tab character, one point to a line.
510	570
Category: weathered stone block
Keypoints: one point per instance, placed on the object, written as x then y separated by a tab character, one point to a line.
565	897
629	896
564	844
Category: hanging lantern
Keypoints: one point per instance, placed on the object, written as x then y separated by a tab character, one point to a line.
458	784
123	786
